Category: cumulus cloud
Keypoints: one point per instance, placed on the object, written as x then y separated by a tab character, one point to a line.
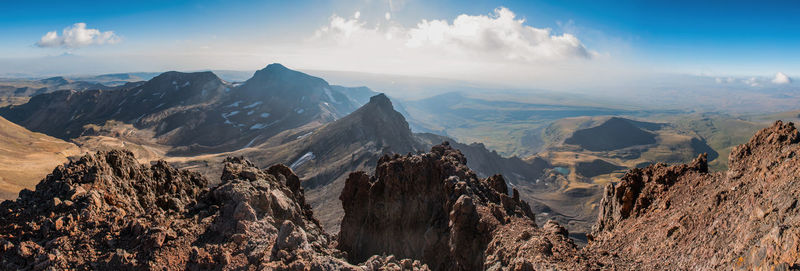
499	33
76	36
494	47
781	79
497	36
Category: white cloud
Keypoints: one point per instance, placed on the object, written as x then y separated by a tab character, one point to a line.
388	16
357	15
781	79
493	47
77	36
499	34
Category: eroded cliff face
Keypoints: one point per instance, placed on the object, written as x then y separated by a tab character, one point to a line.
433	208
682	217
106	211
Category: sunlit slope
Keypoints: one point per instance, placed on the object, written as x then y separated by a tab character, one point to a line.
26	157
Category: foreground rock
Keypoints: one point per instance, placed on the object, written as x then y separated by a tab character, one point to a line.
433	208
684	218
106	211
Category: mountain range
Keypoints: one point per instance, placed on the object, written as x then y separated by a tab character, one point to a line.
196	120
324	132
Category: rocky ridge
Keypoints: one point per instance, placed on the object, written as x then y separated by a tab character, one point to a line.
432	207
683	217
106	211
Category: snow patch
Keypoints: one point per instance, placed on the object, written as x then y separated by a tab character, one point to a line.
265	115
258	126
251	112
305	135
186	84
299	110
250	143
235	104
302	160
233	113
252	105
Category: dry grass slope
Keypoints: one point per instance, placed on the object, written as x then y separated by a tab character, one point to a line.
27	157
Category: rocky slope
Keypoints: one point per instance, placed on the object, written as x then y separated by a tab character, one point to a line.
106	211
683	217
432	207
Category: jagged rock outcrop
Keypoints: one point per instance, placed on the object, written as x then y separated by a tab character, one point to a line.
684	218
433	208
106	211
639	188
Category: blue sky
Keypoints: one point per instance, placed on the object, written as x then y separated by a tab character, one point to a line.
720	38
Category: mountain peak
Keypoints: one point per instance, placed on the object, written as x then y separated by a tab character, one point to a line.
276	67
278	72
381	100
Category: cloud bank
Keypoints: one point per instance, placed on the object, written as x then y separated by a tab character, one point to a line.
77	36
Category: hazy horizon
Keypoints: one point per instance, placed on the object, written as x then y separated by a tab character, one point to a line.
576	46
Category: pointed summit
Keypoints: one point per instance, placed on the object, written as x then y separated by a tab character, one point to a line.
380	100
376	121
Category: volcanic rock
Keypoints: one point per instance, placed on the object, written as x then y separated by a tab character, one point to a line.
684	218
106	211
433	208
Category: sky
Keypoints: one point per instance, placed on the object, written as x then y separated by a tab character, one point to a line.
550	44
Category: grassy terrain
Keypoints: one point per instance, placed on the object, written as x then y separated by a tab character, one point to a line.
721	133
12	100
27	157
